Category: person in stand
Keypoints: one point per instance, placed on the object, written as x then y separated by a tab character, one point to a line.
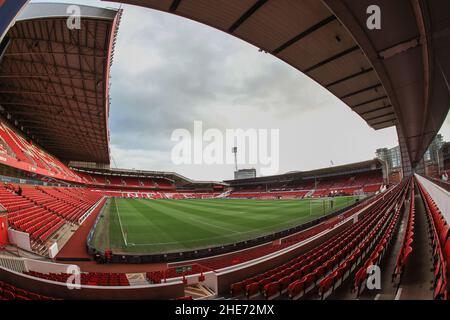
19	191
108	255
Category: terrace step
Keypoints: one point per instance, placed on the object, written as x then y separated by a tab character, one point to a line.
198	291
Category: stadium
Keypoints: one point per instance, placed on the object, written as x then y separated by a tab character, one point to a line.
73	227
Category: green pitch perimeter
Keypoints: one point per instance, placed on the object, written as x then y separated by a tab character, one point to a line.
161	226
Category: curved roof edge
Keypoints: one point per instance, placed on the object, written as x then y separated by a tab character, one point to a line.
344	169
36	12
180	179
47	10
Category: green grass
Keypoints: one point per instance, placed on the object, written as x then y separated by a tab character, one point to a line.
161	226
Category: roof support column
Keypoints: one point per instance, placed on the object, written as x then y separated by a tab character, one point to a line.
406	162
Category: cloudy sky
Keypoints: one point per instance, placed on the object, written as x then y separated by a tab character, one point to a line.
169	72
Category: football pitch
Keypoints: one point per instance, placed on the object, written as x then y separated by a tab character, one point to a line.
168	225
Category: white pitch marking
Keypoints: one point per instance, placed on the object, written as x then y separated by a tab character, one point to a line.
120	223
219	237
399	293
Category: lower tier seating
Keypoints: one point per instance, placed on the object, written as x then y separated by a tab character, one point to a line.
440	241
336	256
9	292
90	278
382	241
408	239
41	211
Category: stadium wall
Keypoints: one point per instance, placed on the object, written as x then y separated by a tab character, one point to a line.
20	239
98	212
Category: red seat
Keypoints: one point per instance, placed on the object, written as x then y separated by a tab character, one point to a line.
447	255
320	271
326	284
444	234
237	289
406	254
252	289
271	289
296	288
360	276
284	282
309	279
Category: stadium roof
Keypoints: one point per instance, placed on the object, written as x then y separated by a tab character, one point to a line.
346	169
173	176
393	76
54	81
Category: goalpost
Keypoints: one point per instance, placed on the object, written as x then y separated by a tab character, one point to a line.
319	206
322	206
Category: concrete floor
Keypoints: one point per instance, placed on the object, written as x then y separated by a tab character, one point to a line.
387	266
418	277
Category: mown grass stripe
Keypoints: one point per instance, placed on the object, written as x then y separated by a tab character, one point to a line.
157	226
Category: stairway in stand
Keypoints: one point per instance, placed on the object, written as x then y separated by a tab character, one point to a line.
198	291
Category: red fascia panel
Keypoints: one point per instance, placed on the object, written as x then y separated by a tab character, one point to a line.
9	161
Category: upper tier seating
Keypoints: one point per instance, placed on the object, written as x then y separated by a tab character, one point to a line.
125	181
269	195
368	182
132	182
146	182
163	183
87	178
25	151
148	194
114	180
371	188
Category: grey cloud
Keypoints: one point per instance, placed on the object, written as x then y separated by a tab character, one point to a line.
169	71
199	72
